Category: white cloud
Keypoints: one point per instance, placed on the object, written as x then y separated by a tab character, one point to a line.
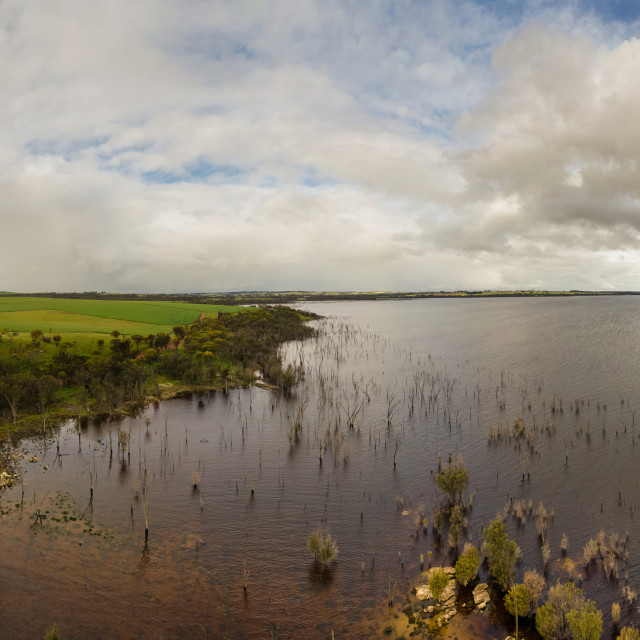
227	145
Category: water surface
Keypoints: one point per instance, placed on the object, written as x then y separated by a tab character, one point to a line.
450	369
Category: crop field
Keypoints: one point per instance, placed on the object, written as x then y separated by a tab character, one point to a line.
85	321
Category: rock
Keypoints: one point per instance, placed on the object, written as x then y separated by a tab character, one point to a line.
423	592
481	596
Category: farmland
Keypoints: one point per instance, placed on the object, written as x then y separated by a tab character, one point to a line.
82	322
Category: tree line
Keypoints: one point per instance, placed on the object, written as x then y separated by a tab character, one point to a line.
37	379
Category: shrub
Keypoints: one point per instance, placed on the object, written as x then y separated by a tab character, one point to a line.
467	565
454	479
438	581
615	613
323	550
629	633
52	633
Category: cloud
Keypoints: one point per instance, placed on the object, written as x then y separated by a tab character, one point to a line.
227	145
556	163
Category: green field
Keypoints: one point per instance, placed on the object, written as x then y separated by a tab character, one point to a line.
84	321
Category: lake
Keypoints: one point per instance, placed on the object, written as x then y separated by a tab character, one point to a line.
426	380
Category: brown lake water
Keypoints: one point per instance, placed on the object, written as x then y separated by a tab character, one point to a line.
451	370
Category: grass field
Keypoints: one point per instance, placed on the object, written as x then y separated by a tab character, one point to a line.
84	321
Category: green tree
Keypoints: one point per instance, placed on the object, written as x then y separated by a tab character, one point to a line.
453	480
467	565
629	633
178	332
586	622
501	552
161	340
457	522
518	594
438	580
47	386
323	549
552	617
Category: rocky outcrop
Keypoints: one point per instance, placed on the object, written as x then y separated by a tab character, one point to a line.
425	610
446	609
481	596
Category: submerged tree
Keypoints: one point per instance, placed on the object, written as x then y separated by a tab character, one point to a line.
453	480
323	549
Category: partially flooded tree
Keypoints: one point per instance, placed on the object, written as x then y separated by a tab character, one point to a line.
323	549
467	565
502	553
552	618
453	480
586	622
457	522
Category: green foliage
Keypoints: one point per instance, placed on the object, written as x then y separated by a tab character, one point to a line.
552	618
453	480
586	622
52	633
438	580
467	565
323	549
502	553
629	633
457	522
518	595
216	352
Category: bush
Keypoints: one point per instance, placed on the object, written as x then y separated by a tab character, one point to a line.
323	550
629	633
467	565
453	480
52	633
438	581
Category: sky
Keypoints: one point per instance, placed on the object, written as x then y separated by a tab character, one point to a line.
332	145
